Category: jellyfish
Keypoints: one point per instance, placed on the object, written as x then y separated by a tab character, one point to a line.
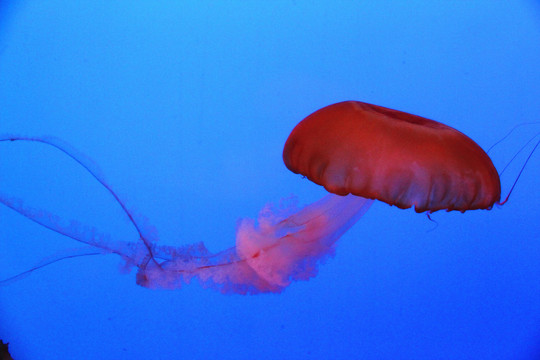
357	151
360	153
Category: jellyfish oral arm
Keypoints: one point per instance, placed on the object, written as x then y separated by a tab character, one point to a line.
92	170
281	249
73	230
101	243
286	244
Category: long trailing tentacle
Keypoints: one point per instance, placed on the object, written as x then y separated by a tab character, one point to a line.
507	135
520	171
49	261
532	138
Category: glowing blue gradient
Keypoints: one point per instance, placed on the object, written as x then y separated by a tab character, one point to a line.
185	107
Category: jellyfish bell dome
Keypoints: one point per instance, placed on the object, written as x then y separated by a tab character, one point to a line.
404	160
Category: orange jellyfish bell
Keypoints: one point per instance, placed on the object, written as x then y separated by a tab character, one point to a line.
402	159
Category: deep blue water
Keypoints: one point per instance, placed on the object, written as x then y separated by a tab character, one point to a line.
186	106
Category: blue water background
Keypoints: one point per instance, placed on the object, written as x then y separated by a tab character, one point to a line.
185	107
